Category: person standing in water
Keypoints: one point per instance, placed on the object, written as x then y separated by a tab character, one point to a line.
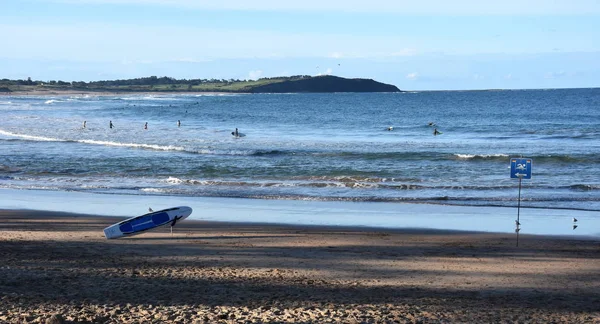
84	123
435	132
146	125
179	123
110	124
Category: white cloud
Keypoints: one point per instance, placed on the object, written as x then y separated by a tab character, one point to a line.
508	76
255	74
329	71
404	52
110	42
191	60
389	53
434	7
126	61
412	76
555	75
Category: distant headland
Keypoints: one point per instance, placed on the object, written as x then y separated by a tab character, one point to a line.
153	84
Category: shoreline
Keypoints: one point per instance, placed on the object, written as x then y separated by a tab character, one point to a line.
43	93
196	223
213	272
303	212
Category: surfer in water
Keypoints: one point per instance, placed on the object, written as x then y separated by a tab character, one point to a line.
435	132
179	123
236	133
110	124
84	123
146	125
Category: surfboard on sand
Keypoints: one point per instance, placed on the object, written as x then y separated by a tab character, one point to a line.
140	224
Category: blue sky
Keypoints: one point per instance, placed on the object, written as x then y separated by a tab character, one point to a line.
415	45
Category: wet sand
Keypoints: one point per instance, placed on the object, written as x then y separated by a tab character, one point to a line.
208	272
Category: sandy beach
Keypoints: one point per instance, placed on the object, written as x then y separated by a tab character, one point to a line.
58	266
51	93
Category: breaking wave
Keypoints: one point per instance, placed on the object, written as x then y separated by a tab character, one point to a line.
481	156
31	137
133	145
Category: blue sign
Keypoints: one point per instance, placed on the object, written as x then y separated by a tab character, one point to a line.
520	168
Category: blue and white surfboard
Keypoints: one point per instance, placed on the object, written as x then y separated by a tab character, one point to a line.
140	224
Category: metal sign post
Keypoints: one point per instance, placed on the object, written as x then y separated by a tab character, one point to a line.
520	168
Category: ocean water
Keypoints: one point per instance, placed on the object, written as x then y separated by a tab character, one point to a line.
321	147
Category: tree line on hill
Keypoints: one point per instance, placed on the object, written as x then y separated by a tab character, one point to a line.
145	81
291	84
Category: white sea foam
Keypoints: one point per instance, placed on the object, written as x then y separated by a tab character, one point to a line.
95	142
134	145
51	101
206	151
31	137
79	97
173	180
150	98
158	98
224	152
209	94
156	190
484	156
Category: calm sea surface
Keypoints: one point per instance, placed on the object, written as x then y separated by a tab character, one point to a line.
330	147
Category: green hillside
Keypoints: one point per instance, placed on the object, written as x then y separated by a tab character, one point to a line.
300	83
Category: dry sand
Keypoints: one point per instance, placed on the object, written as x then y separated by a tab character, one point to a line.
61	264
